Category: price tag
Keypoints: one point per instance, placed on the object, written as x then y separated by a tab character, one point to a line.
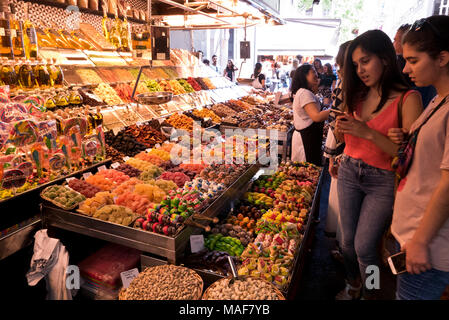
179	112
128	277
87	175
116	130
2	32
102	168
125	158
164	111
13	33
69	179
157	145
115	165
139	124
199	108
148	150
197	243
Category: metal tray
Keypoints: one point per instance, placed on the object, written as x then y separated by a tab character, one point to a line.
154	97
170	248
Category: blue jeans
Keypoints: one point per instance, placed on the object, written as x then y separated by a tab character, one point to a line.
366	197
429	285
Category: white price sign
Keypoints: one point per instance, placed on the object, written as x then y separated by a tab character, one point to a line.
197	243
128	277
87	175
148	150
69	179
102	168
125	158
115	165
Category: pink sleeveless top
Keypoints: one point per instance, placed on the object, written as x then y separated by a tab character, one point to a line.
367	151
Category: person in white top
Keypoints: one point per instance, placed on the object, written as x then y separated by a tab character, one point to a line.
307	117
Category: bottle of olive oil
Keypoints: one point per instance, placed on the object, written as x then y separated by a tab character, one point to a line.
105	24
17	35
125	35
29	37
8	74
5	38
42	75
27	77
115	34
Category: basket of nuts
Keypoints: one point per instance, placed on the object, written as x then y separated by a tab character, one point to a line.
166	282
243	288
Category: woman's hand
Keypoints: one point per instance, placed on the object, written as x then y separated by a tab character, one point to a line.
353	126
397	135
333	168
417	257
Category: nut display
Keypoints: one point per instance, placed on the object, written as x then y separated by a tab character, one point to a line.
89	76
246	289
167	282
222	110
115	214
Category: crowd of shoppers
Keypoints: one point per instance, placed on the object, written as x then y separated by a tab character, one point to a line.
389	160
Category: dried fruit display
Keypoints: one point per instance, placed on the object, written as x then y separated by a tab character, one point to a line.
153	86
108	94
90	206
135	202
180	121
195	85
206	113
208	83
113	154
165	185
124	143
151	192
129	170
127	186
177	177
86	189
115	214
146	135
187	87
172	86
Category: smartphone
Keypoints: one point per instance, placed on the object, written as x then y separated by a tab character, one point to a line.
337	112
397	263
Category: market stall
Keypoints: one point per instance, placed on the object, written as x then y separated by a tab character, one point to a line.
88	134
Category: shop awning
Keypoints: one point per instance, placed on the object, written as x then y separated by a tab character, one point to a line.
210	14
308	37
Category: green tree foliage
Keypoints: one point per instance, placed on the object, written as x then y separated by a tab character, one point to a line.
349	11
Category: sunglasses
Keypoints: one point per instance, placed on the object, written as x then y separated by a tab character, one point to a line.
419	25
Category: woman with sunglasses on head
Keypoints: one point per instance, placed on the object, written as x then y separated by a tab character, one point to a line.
421	210
377	99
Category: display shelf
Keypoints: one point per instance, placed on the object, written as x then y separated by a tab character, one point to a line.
83	10
171	248
304	248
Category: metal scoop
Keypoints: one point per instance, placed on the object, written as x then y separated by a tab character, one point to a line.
235	275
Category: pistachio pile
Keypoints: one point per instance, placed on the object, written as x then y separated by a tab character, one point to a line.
167	282
245	289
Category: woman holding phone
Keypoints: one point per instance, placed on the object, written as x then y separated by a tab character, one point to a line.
377	99
421	210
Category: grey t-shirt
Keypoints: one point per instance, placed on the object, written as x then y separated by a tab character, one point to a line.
416	189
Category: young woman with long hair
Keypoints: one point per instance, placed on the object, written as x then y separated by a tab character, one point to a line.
373	91
421	210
